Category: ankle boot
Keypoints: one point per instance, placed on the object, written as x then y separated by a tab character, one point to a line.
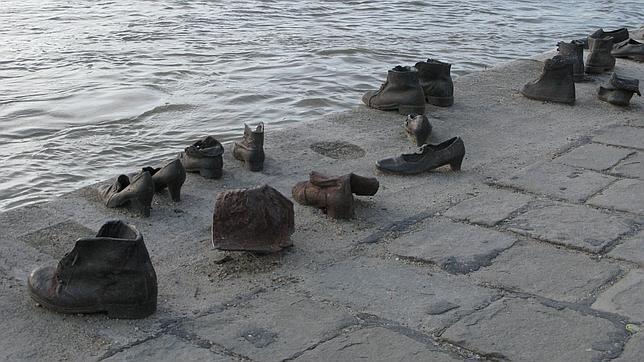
205	157
110	273
600	59
617	36
136	193
450	152
172	176
334	194
555	84
418	127
575	51
631	49
437	82
401	91
619	90
251	148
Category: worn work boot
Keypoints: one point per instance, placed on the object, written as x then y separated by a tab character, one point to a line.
136	193
437	82
617	36
555	84
631	49
600	59
172	176
334	194
110	273
450	152
401	92
418	127
251	148
205	157
575	51
619	90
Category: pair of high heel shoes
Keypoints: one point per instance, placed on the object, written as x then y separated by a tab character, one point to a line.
137	192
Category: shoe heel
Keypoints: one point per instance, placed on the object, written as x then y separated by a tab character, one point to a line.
130	311
175	192
405	110
440	101
210	172
142	206
255	166
456	164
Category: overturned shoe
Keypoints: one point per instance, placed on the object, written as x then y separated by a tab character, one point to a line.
172	176
555	84
630	49
260	220
436	81
400	92
450	152
575	51
619	90
334	194
418	127
616	36
136	193
110	273
205	157
251	148
600	59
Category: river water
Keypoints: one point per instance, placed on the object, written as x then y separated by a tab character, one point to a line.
90	89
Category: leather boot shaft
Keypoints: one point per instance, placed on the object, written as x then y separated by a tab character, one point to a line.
574	51
600	59
436	81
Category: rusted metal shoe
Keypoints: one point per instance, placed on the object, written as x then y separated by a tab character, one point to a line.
110	273
619	90
631	49
251	148
334	194
575	51
616	36
555	84
172	176
418	127
400	92
259	219
204	157
436	80
450	152
136	193
599	58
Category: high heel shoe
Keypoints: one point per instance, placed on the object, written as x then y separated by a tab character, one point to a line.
172	176
205	157
450	152
136	193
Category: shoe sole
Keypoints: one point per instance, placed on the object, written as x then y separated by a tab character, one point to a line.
116	311
440	101
402	109
597	70
556	100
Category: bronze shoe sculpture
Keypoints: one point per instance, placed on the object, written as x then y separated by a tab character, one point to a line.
619	90
450	152
600	59
555	84
334	194
204	157
136	193
418	127
172	176
110	273
631	49
251	148
400	92
436	81
575	51
616	36
259	220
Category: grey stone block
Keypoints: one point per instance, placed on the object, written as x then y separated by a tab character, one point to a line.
272	326
457	248
375	344
631	249
168	348
408	294
24	220
633	166
525	330
488	208
558	180
633	350
624	195
622	136
548	271
626	297
572	225
58	239
594	156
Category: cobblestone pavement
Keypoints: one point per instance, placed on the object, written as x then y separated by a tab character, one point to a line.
534	251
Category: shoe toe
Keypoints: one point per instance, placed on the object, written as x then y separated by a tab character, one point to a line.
366	98
40	282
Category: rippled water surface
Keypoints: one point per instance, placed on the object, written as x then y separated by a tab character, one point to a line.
89	89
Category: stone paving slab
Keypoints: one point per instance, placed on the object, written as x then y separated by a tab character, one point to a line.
549	271
631	249
624	195
272	326
525	330
626	297
633	349
169	348
633	166
632	137
594	156
558	180
27	219
408	294
58	239
375	344
577	226
488	208
457	248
